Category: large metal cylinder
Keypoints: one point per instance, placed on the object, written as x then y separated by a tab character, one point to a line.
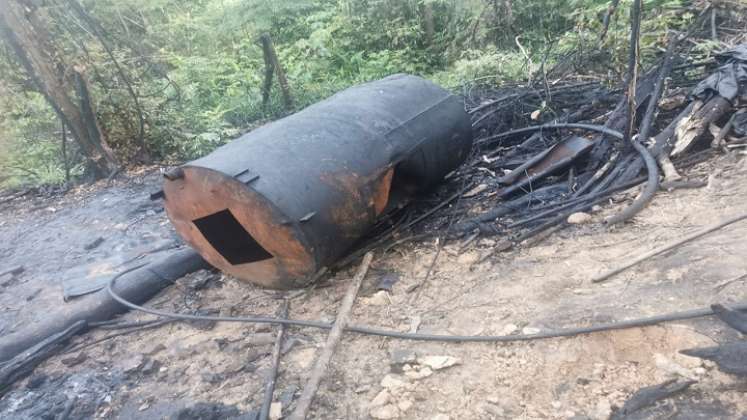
279	203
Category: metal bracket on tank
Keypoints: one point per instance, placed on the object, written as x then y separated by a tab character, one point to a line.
246	176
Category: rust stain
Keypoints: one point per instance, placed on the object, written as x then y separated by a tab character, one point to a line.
364	198
381	192
352	212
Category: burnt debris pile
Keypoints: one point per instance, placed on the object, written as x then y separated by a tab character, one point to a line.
545	151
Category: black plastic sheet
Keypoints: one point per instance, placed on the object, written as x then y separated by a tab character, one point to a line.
730	79
739	124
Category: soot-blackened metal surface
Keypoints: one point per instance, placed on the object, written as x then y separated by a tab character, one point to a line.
322	176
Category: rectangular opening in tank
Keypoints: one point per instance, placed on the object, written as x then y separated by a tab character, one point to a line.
229	237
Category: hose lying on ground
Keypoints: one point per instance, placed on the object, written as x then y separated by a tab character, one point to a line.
563	332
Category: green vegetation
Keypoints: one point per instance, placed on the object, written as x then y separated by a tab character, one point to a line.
197	70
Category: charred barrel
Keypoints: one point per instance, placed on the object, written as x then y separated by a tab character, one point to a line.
279	203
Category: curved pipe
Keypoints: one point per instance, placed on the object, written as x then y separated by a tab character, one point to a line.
652	184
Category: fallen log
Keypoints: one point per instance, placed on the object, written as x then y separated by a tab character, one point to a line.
693	126
138	285
24	363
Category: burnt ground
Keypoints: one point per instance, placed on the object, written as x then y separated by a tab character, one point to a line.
206	370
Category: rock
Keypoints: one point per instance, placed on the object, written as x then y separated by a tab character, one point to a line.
386	281
75	360
233	366
602	410
404	405
468	257
509	329
530	330
155	349
262	327
382	398
441	417
493	410
211	377
400	357
392	382
199	280
380	298
133	363
276	411
36	381
438	362
414	324
419	372
596	208
671	367
388	411
261	339
93	244
579	218
150	366
487	242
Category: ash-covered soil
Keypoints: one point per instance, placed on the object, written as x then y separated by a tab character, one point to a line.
205	370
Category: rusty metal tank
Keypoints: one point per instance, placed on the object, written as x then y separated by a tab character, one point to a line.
278	204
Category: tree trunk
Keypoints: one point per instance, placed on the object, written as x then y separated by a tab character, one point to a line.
28	38
143	155
269	51
428	23
269	71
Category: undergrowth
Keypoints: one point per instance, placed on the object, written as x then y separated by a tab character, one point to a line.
198	68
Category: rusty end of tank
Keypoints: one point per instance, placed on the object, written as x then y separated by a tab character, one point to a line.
236	229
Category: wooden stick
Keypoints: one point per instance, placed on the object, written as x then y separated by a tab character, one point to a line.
322	363
272	377
632	77
635	261
718	139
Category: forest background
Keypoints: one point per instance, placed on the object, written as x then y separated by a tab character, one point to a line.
90	87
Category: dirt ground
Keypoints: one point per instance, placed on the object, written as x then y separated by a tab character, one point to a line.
205	370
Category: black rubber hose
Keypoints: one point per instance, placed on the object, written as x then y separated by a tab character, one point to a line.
564	332
649	190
